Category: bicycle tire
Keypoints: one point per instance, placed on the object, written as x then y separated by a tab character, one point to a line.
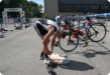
65	45
96	32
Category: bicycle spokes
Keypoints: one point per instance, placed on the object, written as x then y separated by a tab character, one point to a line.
97	32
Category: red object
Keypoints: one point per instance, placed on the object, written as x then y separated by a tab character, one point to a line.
77	31
73	35
80	32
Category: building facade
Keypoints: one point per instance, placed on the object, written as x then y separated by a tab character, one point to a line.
75	7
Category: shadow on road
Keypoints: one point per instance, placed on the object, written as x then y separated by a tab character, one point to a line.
53	73
90	53
76	65
103	46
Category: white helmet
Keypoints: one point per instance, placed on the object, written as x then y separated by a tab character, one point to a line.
38	22
58	18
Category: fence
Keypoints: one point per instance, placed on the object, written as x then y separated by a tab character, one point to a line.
14	24
102	18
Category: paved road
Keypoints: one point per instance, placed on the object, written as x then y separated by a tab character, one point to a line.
19	53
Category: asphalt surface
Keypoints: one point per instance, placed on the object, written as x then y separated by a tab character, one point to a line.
19	53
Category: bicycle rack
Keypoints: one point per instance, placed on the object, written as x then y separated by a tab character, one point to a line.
105	15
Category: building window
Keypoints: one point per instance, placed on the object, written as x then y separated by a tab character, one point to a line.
70	6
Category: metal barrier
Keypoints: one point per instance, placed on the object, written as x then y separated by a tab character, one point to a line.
14	24
1	29
102	18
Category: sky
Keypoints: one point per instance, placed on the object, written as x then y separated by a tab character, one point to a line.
109	0
38	1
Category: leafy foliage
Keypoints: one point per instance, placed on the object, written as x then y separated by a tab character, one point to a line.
31	8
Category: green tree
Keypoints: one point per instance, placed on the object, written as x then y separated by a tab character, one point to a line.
35	9
31	8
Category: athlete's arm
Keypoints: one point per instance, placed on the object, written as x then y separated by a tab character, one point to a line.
56	35
46	39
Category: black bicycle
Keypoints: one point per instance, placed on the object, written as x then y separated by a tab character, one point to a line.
96	32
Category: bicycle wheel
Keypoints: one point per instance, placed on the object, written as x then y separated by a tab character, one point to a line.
68	43
96	32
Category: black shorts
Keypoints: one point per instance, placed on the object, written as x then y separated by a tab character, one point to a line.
41	30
